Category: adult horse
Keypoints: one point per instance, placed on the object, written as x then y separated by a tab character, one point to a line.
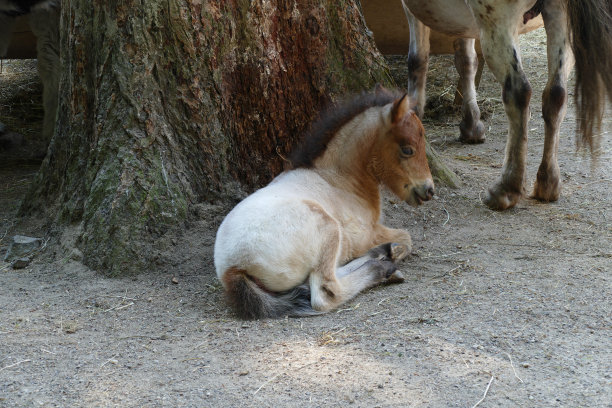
579	25
284	249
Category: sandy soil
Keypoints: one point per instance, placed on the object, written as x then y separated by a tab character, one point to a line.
518	302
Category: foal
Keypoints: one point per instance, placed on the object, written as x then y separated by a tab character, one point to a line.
284	249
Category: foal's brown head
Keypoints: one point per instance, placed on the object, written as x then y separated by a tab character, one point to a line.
399	160
393	153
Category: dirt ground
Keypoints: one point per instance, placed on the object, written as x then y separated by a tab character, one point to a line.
513	304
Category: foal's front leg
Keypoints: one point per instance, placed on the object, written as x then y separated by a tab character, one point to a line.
400	245
382	235
500	47
554	99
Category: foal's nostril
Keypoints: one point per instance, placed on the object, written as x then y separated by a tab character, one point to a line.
430	193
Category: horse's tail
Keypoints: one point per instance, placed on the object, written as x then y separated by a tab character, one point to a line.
590	26
250	301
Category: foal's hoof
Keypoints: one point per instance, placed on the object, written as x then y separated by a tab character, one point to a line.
382	269
398	252
389	252
500	199
473	135
396	277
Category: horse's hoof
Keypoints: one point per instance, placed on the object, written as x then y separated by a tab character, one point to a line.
398	252
396	277
472	136
547	186
500	199
546	193
381	252
384	268
390	251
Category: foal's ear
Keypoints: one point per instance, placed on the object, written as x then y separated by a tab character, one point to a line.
401	108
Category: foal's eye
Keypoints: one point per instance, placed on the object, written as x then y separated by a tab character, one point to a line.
407	151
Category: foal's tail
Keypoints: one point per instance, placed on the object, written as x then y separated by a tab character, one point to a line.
590	26
250	301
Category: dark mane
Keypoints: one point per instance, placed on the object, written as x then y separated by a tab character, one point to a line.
330	121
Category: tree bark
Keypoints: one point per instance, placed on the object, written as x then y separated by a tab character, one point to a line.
184	101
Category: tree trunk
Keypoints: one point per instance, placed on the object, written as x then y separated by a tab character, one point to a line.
165	103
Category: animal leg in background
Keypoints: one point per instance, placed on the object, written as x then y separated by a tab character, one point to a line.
418	60
6	32
554	98
500	47
7	23
466	62
45	26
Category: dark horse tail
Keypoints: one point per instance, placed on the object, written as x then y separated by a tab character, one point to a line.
590	26
250	301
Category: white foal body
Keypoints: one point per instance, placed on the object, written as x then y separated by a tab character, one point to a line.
318	227
286	218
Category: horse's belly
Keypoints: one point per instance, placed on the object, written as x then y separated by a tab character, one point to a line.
450	17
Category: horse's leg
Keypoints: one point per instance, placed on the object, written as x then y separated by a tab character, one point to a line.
378	265
466	62
500	47
418	60
560	61
382	234
331	286
400	247
45	26
6	32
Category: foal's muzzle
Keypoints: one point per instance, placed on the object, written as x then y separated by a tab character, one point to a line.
420	193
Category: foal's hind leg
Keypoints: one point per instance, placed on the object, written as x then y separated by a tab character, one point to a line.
466	62
330	285
554	99
418	60
500	46
378	264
